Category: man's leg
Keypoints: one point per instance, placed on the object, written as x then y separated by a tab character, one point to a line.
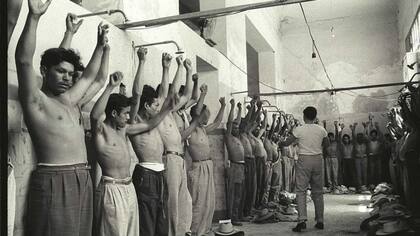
303	175
11	201
328	170
259	162
184	203
133	223
247	190
173	179
334	170
253	184
267	181
358	172
364	166
316	181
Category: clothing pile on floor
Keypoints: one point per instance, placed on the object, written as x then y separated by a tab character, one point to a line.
275	213
389	216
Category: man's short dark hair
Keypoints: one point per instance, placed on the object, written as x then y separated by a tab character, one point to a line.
181	89
194	109
346	135
116	102
122	85
330	134
310	113
54	56
373	131
148	95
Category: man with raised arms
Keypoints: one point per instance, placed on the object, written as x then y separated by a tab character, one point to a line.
201	173
54	122
236	171
179	199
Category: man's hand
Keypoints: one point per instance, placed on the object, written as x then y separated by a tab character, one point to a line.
232	102
222	101
364	124
274	116
115	79
352	127
377	125
187	65
335	123
195	77
102	34
72	27
179	60
355	124
239	105
203	88
265	112
166	60
259	103
141	54
342	126
37	8
324	122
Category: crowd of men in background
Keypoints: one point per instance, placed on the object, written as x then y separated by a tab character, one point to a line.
157	199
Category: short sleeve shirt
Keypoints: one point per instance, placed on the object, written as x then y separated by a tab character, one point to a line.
309	138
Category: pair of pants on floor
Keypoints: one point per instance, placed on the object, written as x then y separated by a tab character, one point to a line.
179	198
361	171
60	201
151	192
11	200
235	181
374	169
309	170
348	172
203	196
260	169
331	166
276	180
116	211
250	188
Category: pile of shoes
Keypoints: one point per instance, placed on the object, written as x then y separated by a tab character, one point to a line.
388	216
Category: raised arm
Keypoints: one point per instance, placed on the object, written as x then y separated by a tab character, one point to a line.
137	86
176	82
200	103
254	115
270	134
100	79
219	116
229	123
164	85
239	115
13	10
353	132
264	125
28	86
185	97
75	93
187	132
98	110
194	96
340	132
336	131
71	30
378	130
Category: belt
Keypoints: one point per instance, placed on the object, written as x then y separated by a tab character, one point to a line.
237	162
175	153
80	166
144	169
250	157
111	180
201	160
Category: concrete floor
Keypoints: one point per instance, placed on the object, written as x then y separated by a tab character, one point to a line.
343	215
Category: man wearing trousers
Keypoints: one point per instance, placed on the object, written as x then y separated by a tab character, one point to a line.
312	140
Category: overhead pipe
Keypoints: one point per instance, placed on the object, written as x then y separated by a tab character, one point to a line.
158	43
109	12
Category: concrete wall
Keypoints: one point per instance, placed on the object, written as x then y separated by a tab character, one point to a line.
407	10
227	60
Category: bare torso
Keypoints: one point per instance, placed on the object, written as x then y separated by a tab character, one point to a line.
246	144
275	153
112	152
148	146
259	148
332	149
199	148
56	131
170	134
374	147
360	150
235	148
267	147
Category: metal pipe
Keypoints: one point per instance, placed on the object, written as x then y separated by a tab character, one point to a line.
246	91
210	13
109	12
163	42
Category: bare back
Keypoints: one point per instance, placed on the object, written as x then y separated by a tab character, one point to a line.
199	147
112	152
56	130
235	148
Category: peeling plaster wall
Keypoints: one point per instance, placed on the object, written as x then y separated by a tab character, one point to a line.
363	51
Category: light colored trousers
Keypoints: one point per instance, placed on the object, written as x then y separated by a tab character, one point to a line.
11	202
203	196
179	198
361	165
116	210
309	170
331	165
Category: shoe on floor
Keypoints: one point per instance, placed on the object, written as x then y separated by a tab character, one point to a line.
299	227
319	225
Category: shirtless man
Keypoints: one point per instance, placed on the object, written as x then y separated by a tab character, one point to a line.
148	176
360	158
276	174
182	118
13	10
179	199
268	166
201	173
375	149
236	171
54	122
116	208
331	159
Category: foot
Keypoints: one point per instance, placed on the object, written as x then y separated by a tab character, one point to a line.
236	223
319	225
299	227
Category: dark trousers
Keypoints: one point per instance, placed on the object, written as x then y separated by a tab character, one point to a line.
348	172
151	192
235	184
260	169
60	201
374	169
250	188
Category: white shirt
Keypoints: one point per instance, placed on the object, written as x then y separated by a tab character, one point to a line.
309	138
